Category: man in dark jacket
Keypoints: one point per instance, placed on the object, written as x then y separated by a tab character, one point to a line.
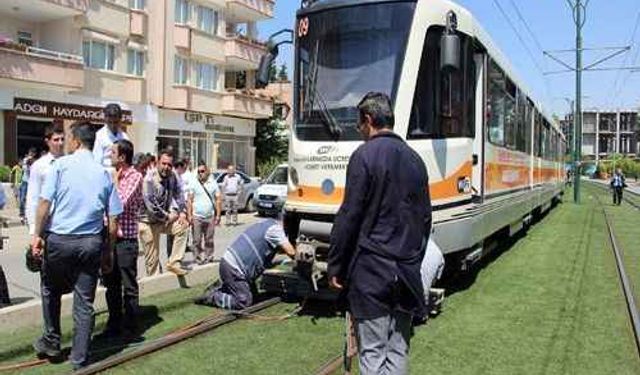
378	240
618	184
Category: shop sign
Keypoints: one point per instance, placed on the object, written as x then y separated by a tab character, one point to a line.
192	117
220	128
39	108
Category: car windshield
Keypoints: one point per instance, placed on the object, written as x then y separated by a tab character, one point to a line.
344	54
278	177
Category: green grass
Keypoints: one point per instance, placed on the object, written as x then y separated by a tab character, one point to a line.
550	304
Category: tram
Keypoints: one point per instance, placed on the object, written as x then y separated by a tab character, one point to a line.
493	155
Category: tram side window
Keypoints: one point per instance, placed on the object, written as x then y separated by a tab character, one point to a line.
537	137
528	124
521	127
444	101
496	104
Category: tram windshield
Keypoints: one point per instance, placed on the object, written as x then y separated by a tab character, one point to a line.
343	54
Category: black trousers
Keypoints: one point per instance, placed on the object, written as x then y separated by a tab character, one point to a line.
71	263
122	286
617	195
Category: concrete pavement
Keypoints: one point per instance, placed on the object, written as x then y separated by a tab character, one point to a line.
25	286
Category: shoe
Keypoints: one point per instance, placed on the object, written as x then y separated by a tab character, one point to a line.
109	333
44	349
178	271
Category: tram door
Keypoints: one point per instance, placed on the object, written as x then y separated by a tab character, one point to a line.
477	179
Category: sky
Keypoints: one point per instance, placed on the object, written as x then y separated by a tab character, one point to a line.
609	23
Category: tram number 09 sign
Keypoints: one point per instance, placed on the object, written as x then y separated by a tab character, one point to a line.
303	27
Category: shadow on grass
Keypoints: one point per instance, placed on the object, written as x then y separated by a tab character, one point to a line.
102	347
454	281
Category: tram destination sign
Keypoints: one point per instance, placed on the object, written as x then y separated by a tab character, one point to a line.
40	108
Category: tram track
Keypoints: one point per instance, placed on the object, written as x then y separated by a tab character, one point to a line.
625	283
204	325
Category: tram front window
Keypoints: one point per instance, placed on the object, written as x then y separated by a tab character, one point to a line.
343	54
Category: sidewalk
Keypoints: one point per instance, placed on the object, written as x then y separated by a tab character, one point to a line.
632	185
25	286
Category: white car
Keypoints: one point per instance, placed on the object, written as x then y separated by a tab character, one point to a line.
272	194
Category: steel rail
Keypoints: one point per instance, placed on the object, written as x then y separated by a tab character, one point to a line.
174	338
627	290
331	366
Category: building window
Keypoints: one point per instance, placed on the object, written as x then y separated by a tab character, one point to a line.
98	55
25	38
182	11
135	62
206	76
137	4
207	20
180	71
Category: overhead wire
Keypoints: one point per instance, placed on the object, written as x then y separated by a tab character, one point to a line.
614	91
525	46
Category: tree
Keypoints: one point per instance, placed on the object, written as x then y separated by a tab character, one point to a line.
273	72
283	75
271	142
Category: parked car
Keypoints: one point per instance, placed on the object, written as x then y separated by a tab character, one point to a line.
248	190
272	194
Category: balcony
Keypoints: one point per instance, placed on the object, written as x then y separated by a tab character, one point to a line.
239	11
32	67
42	10
246	106
112	85
199	43
194	99
138	23
243	54
110	18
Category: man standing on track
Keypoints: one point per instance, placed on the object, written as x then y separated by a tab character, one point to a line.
618	184
378	240
54	139
82	193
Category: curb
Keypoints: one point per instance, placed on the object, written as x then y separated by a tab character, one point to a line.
29	314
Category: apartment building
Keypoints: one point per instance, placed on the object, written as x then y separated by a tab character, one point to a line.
182	69
609	132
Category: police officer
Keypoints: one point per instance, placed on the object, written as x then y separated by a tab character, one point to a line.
82	192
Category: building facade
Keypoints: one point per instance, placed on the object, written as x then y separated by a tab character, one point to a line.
609	132
182	69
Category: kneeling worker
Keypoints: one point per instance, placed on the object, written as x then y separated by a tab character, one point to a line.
244	261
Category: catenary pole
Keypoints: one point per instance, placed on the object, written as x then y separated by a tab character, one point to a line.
577	149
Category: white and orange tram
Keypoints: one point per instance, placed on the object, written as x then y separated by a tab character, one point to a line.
493	155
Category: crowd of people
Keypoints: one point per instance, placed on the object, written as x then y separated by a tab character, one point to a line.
91	211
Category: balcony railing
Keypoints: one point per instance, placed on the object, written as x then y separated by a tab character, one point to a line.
243	53
33	65
249	10
240	104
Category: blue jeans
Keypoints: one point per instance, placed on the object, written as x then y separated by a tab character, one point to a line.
23	197
71	264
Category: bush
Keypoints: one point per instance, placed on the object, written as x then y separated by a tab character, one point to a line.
5	173
266	167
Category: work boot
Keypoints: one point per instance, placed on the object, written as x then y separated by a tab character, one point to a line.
44	349
177	270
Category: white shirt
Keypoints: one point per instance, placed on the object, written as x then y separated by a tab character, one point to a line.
102	147
39	170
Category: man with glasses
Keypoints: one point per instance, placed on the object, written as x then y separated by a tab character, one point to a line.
108	134
207	205
160	189
378	240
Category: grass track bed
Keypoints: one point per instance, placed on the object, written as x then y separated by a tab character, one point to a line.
550	304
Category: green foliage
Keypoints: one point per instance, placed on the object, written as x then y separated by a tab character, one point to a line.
5	173
273	72
630	167
283	75
271	141
267	166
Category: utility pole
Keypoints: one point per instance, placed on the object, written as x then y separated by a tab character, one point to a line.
577	118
